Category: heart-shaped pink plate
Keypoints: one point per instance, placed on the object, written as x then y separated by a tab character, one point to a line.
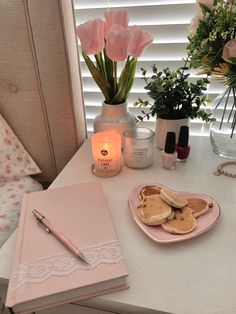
156	233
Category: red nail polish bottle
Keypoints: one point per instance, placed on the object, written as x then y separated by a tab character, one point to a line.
182	146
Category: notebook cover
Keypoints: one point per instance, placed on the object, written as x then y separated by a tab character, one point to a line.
43	268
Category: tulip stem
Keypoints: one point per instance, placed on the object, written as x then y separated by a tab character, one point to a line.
103	65
100	64
98	77
115	76
108	64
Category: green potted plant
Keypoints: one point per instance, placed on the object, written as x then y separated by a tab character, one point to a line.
176	100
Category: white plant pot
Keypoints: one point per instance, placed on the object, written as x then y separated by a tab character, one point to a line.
165	125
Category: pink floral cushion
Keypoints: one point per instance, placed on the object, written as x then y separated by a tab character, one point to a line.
14	159
16	166
11	195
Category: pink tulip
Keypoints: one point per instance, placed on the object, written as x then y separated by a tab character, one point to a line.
117	43
229	51
115	17
139	40
91	35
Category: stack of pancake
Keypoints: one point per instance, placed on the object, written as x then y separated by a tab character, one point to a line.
175	214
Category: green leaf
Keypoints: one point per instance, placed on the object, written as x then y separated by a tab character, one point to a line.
140	118
123	81
133	64
109	69
154	68
143	71
209	100
97	75
233	60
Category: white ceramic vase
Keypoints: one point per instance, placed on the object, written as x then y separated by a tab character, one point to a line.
165	125
114	117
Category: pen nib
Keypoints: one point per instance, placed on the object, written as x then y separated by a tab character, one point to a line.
81	256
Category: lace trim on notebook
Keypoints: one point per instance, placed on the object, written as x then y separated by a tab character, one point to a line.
64	264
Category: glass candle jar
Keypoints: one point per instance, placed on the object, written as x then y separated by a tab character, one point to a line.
138	147
106	149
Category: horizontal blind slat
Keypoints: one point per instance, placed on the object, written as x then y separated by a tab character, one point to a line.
155	15
92	111
124	3
172	64
195	128
138	85
97	95
167	34
164	51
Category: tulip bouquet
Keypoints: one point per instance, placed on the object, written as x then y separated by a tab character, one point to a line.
112	40
212	40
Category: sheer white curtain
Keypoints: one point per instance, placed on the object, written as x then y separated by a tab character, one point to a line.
168	21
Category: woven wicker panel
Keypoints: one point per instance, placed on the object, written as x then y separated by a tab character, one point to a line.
35	91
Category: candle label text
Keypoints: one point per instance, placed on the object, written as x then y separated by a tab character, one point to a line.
138	155
107	164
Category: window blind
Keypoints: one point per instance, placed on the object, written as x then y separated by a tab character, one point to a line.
168	21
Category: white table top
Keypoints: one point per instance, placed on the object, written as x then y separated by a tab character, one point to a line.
194	276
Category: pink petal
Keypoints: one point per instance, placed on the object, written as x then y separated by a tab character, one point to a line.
229	50
115	18
91	35
139	40
117	43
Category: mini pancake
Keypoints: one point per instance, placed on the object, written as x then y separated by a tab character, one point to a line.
198	205
182	223
153	211
173	199
149	190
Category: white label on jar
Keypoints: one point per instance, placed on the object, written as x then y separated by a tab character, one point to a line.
137	156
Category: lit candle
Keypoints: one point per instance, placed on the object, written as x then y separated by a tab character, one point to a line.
106	150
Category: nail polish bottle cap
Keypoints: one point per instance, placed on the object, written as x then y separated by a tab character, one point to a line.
183	136
170	143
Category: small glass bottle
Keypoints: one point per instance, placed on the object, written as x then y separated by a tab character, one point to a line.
169	155
182	146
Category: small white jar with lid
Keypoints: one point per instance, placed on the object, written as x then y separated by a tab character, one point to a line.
138	147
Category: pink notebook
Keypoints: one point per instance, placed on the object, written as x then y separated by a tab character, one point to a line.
44	272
